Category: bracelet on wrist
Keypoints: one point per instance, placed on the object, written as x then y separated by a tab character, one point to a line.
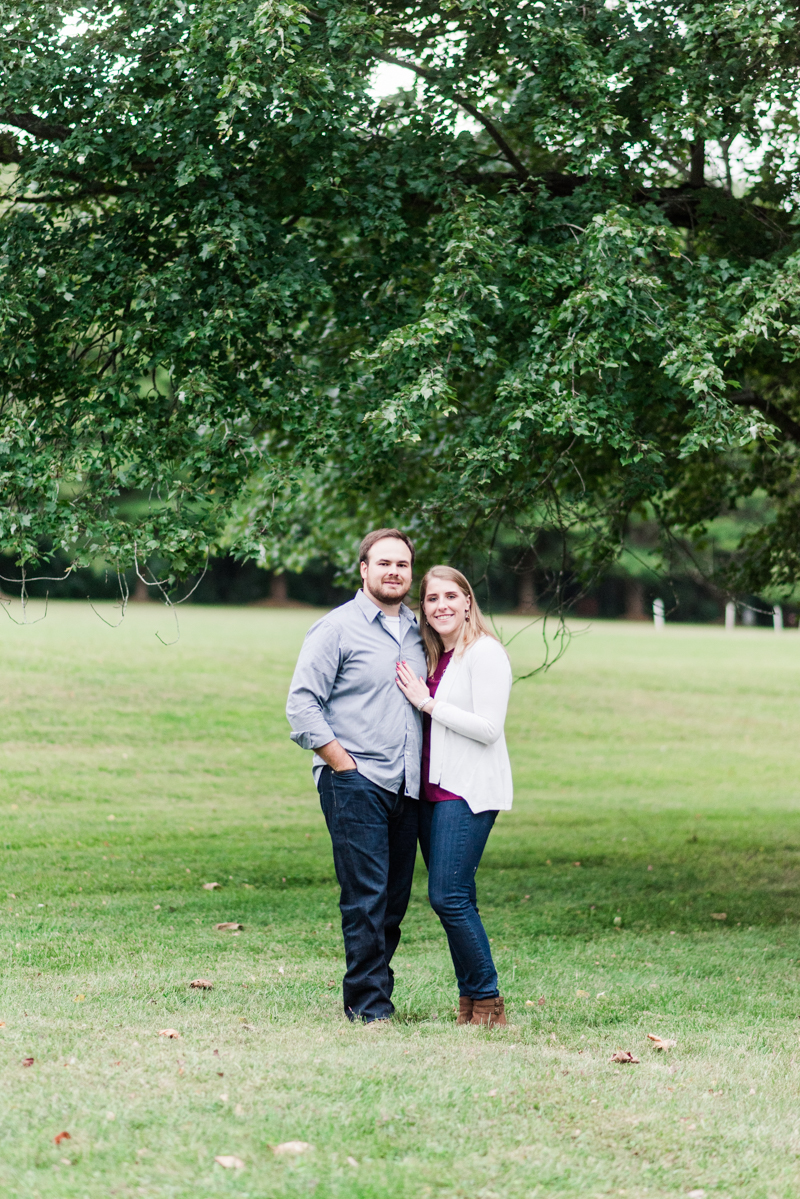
421	707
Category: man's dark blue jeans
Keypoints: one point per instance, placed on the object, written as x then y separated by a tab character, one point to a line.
374	836
452	839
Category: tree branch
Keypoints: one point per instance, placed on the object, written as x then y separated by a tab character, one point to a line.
697	163
35	126
94	193
9	149
520	170
747	398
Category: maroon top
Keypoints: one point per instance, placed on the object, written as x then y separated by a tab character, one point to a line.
432	791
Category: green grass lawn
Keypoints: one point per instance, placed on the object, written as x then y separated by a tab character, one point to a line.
656	784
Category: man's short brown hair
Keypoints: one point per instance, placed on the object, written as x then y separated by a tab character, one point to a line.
377	535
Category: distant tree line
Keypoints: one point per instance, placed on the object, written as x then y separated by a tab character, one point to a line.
501	585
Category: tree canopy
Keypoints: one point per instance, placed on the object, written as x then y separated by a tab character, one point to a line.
550	282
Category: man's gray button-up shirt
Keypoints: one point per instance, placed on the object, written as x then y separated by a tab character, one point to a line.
344	689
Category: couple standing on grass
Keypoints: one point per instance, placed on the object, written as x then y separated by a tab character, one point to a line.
399	757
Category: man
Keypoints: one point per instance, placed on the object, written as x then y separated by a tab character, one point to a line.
345	704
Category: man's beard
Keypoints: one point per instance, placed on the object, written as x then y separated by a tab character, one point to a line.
387	597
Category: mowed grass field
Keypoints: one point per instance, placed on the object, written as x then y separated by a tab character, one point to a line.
656	787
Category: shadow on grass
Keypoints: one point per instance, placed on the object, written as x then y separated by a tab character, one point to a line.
691	884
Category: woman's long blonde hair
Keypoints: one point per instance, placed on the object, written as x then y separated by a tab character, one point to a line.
474	627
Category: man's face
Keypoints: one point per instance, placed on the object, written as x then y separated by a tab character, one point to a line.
387	575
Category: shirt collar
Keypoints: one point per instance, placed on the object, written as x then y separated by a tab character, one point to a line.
372	610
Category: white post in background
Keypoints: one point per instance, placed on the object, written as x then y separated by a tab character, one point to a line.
777	618
658	613
730	615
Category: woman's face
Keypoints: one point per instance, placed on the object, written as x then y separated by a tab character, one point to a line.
446	608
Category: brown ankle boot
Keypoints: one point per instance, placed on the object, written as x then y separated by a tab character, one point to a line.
489	1011
464	1010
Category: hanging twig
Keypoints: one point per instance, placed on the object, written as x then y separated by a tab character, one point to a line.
125	594
161	585
23	597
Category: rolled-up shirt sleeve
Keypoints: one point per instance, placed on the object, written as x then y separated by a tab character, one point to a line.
312	683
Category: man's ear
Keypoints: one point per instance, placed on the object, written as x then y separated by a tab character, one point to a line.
363	568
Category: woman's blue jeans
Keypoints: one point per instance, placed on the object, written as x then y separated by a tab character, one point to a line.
452	839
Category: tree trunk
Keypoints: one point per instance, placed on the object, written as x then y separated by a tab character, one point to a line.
526	587
278	591
634	600
141	592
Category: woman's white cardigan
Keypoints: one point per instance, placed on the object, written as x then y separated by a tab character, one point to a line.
468	747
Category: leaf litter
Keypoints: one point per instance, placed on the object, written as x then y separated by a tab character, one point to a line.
229	1162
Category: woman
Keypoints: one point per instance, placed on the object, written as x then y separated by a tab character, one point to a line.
466	774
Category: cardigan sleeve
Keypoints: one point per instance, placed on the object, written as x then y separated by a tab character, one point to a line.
490	680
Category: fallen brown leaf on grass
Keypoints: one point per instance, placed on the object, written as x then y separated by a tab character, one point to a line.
351	1161
170	1032
291	1148
661	1042
582	994
229	926
229	1162
62	1136
212	887
201	984
719	915
624	1055
2	1023
27	1061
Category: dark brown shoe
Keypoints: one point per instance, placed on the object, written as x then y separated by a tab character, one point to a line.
464	1010
489	1011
